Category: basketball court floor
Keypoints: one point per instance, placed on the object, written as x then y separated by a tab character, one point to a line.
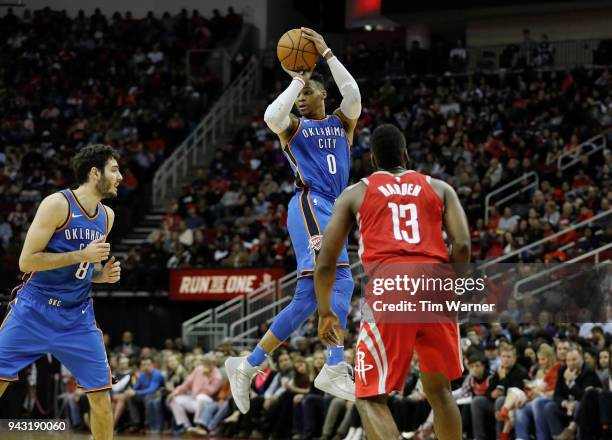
70	436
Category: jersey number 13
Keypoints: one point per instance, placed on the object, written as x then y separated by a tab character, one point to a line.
405	222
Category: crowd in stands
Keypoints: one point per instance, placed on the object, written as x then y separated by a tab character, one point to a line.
477	133
122	81
549	381
66	82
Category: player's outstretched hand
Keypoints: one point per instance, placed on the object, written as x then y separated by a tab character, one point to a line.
96	251
302	74
316	38
329	325
111	271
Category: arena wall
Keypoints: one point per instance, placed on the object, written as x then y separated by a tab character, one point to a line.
580	25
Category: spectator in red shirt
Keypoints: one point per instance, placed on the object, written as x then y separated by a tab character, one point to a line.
569	236
581	180
129	180
172	217
585	214
494	217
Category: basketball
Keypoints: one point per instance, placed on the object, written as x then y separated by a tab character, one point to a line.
295	52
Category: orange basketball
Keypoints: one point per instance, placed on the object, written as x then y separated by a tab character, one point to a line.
296	52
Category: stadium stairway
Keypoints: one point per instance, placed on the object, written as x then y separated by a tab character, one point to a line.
139	234
232	110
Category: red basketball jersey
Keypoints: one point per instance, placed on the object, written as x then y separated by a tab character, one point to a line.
400	220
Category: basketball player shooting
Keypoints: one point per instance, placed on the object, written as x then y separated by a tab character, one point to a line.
402	227
317	147
61	256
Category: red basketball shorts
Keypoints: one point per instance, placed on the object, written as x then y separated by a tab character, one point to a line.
384	353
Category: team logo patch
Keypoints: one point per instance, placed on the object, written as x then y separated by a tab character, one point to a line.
315	242
361	367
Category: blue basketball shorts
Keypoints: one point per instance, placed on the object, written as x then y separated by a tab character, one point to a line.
33	327
307	217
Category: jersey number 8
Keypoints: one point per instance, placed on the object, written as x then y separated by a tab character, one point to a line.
81	272
399	212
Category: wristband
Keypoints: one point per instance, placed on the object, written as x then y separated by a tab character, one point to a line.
326	51
299	80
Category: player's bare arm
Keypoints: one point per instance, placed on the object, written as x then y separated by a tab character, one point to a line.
350	107
110	272
51	215
335	235
455	223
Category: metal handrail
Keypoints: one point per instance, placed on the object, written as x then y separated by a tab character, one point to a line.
288	280
231	306
203	315
596	143
239	322
540	274
188	326
241	92
546	239
510	184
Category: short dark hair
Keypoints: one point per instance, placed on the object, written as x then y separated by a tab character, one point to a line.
96	155
476	357
319	79
387	145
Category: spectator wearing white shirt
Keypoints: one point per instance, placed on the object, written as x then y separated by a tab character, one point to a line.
494	173
507	221
458	57
156	56
551	213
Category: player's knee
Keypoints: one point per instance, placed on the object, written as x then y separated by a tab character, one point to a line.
436	388
365	403
100	403
362	405
302	308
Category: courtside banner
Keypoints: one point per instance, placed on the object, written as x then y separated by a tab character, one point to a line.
218	284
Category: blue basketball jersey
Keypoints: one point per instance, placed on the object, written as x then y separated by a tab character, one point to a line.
70	284
319	154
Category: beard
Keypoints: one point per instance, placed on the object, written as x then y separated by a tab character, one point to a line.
104	187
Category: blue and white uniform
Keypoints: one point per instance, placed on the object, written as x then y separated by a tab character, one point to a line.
319	154
53	312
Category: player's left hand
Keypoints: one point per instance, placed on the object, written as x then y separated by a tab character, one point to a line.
316	38
328	329
111	271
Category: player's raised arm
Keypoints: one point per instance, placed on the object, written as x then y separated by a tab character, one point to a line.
335	235
52	214
278	114
350	107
